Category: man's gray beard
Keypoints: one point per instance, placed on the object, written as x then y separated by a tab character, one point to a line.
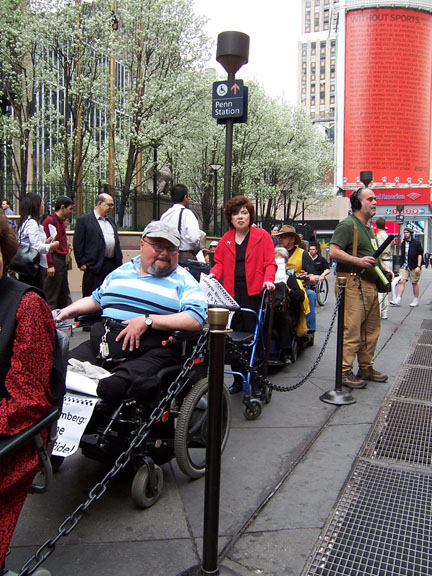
159	272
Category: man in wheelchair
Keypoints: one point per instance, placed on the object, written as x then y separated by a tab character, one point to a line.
141	303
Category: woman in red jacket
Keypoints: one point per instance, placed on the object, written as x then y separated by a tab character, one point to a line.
244	264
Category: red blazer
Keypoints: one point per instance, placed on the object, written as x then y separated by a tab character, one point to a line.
259	263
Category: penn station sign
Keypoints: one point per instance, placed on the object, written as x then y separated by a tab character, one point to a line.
228	99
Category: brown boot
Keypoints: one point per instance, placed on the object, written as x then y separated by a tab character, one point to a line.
372	375
352	381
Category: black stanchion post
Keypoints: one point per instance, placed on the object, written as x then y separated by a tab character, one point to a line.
338	396
218	318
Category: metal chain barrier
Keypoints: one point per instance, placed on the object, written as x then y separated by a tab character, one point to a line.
121	462
233	348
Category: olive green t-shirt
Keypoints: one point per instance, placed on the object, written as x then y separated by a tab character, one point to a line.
343	237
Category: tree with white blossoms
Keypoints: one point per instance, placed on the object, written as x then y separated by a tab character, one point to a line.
75	38
161	44
18	84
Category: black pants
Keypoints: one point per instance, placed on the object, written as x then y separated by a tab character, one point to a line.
136	376
92	280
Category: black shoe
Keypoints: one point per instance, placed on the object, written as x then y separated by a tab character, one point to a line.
235	388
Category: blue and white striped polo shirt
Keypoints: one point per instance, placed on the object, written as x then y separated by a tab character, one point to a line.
125	294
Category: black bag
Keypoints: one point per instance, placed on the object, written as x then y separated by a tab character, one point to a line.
26	260
195	268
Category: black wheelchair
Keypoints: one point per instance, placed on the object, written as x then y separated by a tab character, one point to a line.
172	425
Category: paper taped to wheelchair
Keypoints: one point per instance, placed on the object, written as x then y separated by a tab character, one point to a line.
76	413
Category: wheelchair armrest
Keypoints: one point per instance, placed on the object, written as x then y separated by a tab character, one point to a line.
10	444
186	335
88	319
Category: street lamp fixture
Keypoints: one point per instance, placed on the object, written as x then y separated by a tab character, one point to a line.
215	168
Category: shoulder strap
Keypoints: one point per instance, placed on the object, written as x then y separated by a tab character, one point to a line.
355	238
180	219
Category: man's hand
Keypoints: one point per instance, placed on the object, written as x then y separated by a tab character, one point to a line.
51	271
309	278
134	329
366	262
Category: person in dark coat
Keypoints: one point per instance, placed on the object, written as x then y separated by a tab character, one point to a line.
96	244
27	333
410	267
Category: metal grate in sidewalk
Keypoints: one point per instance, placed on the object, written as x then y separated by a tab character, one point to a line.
401	434
425	337
426	325
420	355
415	383
382	526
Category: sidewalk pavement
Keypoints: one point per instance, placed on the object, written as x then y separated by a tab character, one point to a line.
282	476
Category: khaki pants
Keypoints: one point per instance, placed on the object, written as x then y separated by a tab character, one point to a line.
361	323
384	297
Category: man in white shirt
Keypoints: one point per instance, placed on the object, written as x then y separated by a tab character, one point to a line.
180	217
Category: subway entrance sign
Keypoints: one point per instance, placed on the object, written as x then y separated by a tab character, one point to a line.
228	99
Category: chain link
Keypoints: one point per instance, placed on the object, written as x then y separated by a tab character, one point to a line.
44	551
233	348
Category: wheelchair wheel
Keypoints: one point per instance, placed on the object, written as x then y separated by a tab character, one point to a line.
253	409
322	292
267	393
142	493
190	439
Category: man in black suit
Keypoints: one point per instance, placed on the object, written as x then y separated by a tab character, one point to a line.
96	244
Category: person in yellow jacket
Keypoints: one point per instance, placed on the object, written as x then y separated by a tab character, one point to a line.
301	264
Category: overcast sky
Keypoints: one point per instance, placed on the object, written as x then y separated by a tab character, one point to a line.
274	29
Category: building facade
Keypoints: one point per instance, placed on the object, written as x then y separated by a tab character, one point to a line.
317	61
384	106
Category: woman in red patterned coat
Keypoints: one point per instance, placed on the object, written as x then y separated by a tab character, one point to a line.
245	264
26	355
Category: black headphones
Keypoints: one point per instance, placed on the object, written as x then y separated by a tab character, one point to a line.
355	200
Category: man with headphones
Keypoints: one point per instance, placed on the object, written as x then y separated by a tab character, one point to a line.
352	246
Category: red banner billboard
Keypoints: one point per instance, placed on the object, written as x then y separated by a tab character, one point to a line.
388	98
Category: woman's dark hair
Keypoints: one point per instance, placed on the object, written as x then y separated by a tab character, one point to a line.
8	241
234	206
30	206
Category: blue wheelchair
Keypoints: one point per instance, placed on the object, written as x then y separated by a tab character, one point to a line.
251	350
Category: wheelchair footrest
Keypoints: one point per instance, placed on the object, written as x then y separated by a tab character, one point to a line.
240	337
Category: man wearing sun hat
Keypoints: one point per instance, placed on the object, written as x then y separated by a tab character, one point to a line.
301	264
141	303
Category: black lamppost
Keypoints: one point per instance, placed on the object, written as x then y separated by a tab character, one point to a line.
232	52
215	168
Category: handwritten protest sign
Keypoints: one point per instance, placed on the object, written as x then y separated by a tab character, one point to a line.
216	294
76	413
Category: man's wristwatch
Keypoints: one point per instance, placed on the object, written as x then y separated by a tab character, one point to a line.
148	321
